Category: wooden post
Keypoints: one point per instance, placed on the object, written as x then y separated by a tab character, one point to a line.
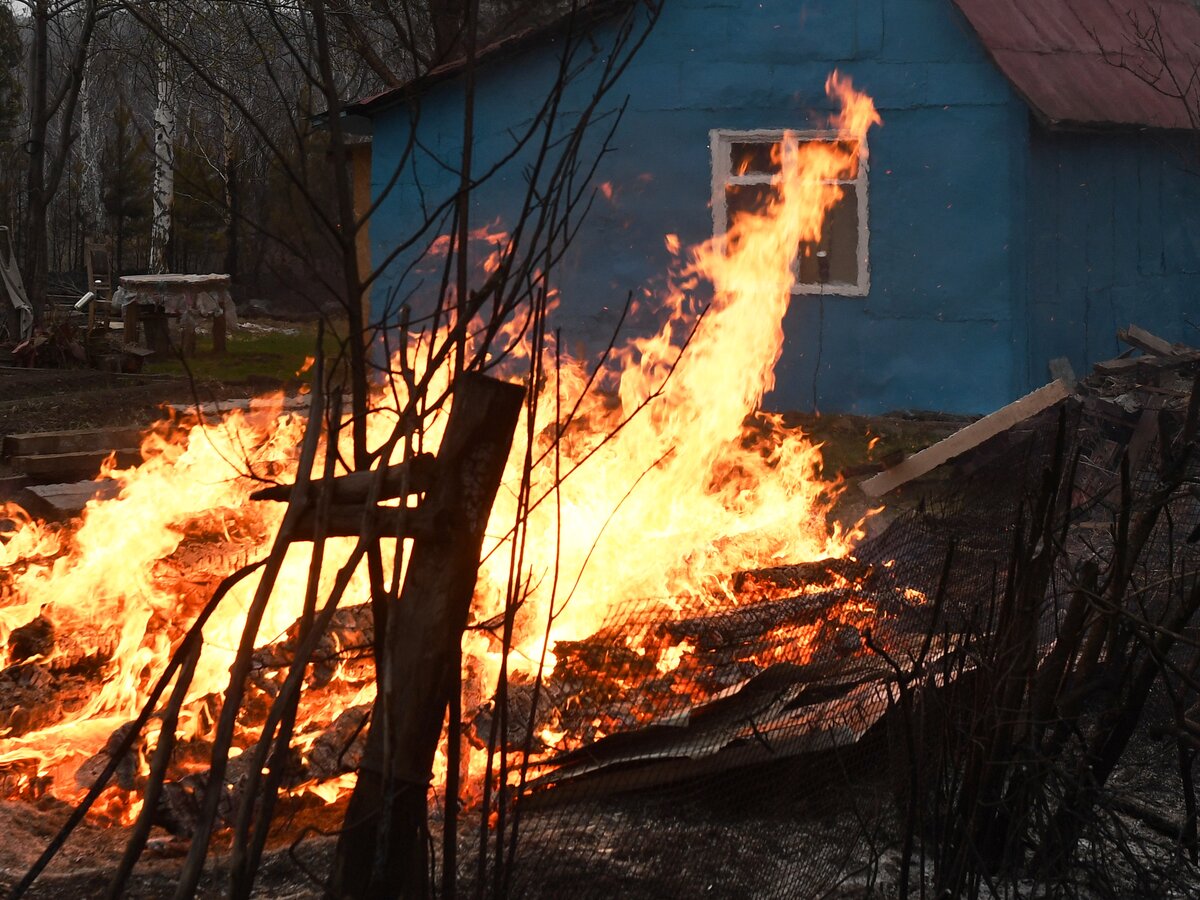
218	333
158	333
130	318
187	337
382	849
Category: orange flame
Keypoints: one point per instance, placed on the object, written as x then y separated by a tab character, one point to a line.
674	494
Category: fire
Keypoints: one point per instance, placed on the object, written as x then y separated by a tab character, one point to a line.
675	492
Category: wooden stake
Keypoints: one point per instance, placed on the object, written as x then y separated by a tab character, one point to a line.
382	850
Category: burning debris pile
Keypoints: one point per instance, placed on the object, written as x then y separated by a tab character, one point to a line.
100	617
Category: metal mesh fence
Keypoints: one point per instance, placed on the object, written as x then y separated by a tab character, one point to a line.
766	763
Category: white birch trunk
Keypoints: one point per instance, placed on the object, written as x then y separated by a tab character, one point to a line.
90	151
227	150
164	166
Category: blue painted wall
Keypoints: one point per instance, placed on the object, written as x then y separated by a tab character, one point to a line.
1113	240
970	205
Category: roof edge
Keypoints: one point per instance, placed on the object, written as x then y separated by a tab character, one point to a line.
580	19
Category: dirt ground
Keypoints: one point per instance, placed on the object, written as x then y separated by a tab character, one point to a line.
61	399
86	863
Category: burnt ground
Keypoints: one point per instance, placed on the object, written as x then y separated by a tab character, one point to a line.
84	866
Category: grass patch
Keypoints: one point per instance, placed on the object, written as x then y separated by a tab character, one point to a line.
257	352
848	440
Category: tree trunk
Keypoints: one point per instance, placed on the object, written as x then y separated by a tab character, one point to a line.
229	148
42	183
89	149
164	167
449	25
35	229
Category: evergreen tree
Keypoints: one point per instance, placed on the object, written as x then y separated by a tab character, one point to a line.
10	83
199	223
11	95
126	181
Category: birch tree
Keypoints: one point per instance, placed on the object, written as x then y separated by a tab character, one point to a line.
90	150
164	162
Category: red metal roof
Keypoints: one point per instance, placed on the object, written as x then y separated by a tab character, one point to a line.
1072	59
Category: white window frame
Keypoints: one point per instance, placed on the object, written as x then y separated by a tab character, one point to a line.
721	141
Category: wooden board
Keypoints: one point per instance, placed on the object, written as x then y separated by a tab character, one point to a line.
10	485
78	464
1061	370
1117	366
34	443
972	436
1151	343
218	408
63	501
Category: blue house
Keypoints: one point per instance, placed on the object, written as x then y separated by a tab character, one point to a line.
1027	195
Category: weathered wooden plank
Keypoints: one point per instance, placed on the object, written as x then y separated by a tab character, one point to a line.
33	443
1151	343
1062	370
1118	366
216	408
972	436
797	575
66	465
10	485
63	501
381	850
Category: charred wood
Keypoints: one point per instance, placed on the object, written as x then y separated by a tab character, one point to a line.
126	774
522	720
347	521
351	634
411	477
822	573
339	749
34	696
746	624
67	650
35	638
181	804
